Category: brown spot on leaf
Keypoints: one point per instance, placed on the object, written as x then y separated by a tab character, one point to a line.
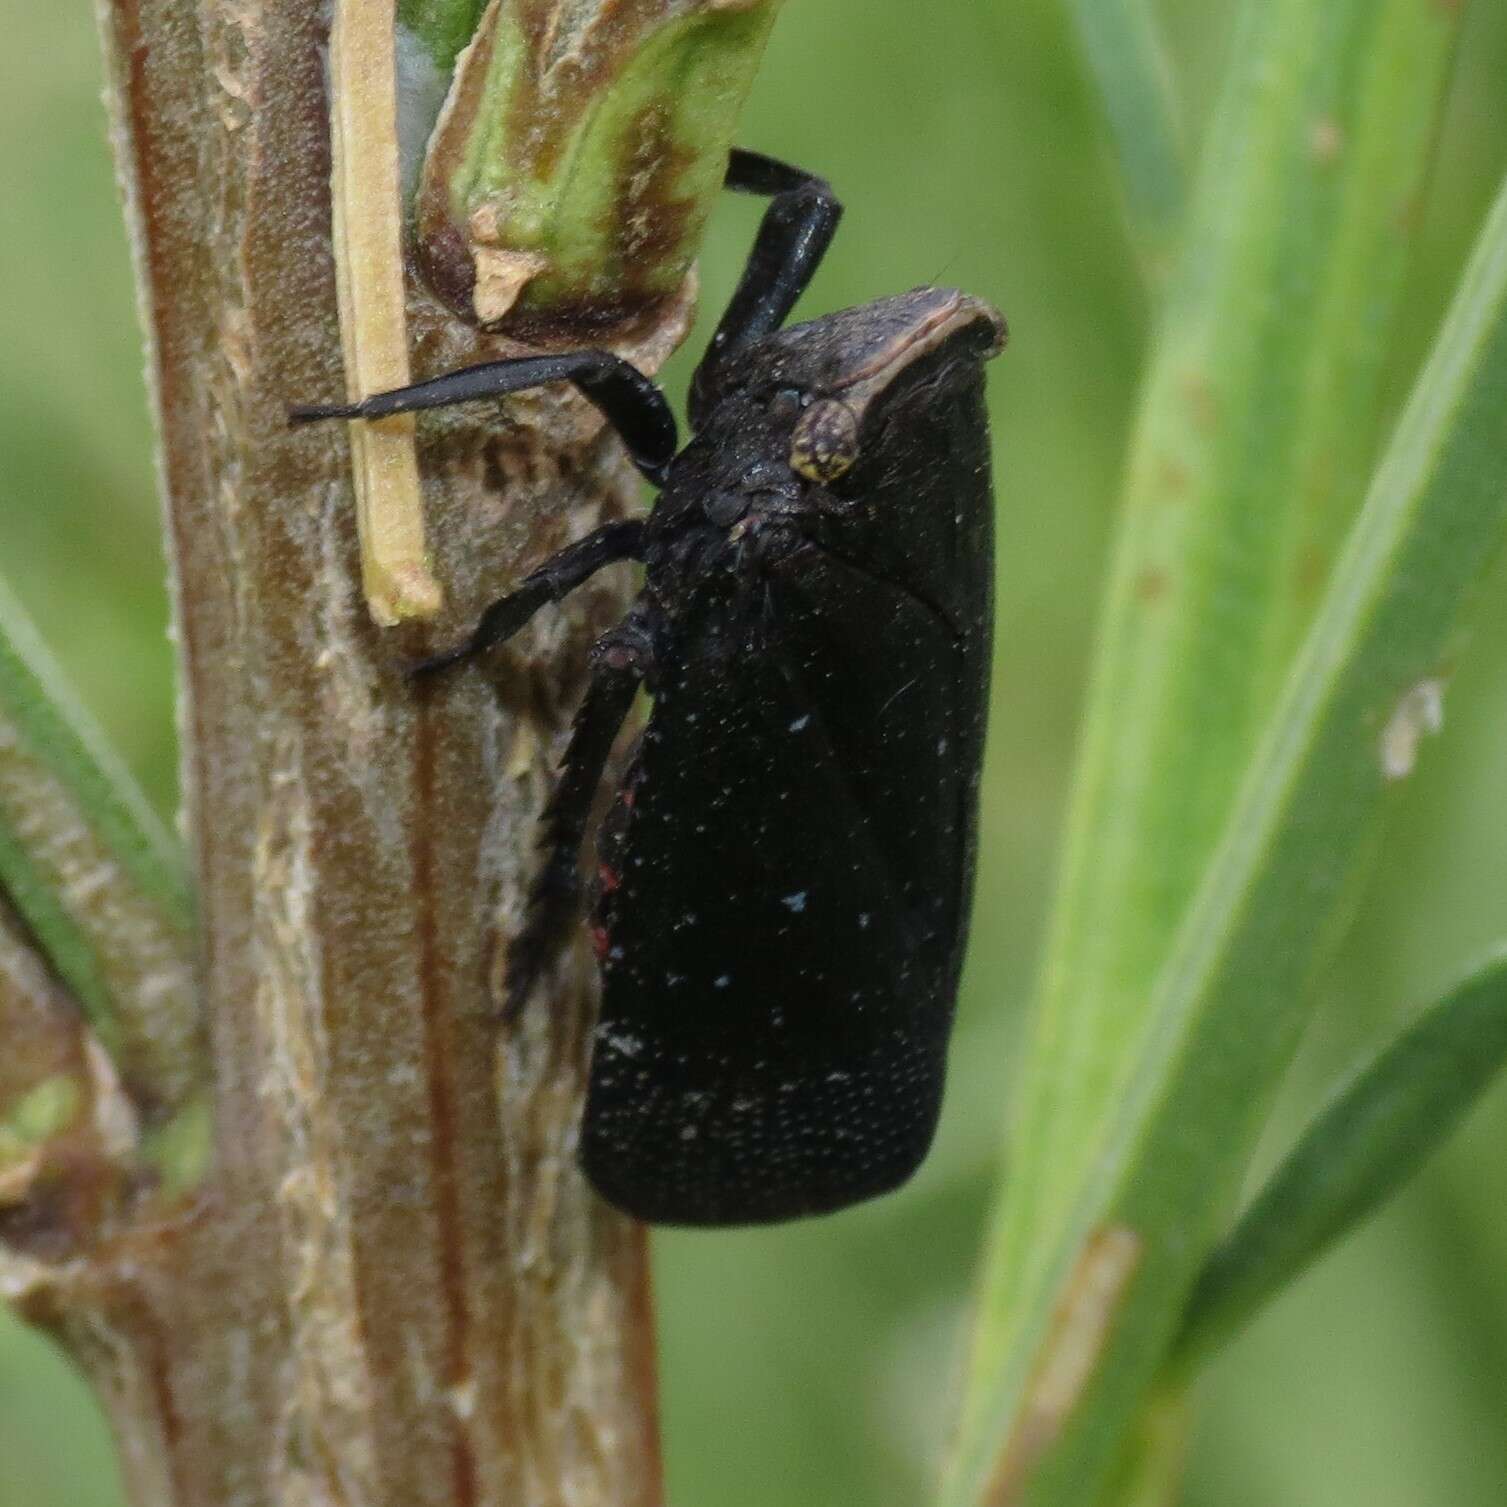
1080	1331
1152	584
1311	572
1202	401
1409	214
1172	477
1326	141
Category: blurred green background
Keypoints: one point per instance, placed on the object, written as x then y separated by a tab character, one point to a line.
814	1364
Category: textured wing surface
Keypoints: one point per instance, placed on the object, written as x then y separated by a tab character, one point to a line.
782	903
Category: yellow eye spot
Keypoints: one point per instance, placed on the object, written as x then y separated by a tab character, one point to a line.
825	441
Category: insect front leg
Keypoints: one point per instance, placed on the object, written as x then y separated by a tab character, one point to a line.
620	660
629	401
796	230
557	577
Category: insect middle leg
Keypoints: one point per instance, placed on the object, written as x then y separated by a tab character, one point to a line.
557	577
793	237
620	660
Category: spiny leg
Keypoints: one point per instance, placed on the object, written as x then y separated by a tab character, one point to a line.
796	230
556	578
629	401
619	662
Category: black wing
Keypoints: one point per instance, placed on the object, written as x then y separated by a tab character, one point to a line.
783	906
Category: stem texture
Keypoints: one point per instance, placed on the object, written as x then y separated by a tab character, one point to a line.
392	1287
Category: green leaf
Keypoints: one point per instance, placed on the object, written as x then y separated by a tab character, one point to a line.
1374	1134
98	881
1250	454
1150	1471
1226	1010
1123	47
41	1112
441	27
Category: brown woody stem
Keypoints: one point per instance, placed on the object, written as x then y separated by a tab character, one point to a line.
393	1287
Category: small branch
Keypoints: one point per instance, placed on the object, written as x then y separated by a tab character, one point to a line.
67	1133
97	880
42	1079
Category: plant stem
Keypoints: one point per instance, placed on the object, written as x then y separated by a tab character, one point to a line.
392	1286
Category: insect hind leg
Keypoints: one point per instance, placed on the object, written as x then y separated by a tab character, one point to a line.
620	660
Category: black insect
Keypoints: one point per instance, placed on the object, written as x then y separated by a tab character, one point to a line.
784	879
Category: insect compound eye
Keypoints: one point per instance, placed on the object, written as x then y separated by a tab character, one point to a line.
825	441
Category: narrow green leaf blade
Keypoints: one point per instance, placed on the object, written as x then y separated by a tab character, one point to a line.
1228	1007
1252	448
1127	57
1374	1134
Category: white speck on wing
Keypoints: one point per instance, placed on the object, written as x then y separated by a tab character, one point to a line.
621	1041
795	902
800	722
